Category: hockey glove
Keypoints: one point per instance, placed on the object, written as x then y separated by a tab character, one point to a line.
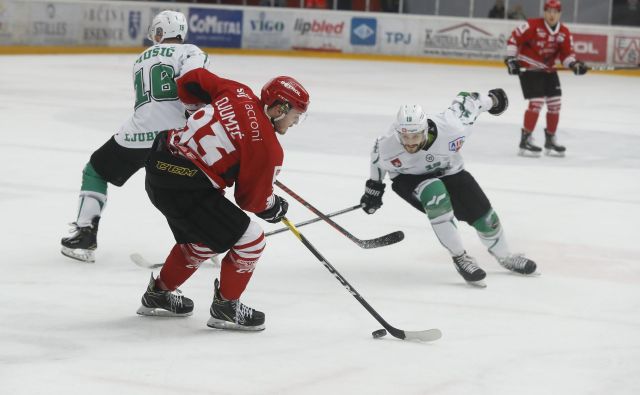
500	101
513	67
372	198
276	212
578	67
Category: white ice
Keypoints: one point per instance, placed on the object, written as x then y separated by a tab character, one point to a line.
70	328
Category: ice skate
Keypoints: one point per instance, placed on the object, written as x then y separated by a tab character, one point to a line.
161	303
469	270
82	244
551	147
517	263
232	314
527	148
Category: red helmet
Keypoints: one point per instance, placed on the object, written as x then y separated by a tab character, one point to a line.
287	90
553	4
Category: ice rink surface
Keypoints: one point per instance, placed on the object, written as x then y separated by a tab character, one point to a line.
70	328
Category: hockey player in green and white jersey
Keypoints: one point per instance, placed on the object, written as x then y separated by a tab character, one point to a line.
156	108
422	157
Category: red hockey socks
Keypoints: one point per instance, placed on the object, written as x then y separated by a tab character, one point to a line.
233	282
553	113
240	261
182	262
532	113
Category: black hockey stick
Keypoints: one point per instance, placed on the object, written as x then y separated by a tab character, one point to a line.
426	335
381	241
316	219
139	260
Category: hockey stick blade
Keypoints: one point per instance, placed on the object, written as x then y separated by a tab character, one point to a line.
143	263
381	241
428	335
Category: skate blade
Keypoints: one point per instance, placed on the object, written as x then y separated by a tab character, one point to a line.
554	154
79	254
158	312
528	154
222	324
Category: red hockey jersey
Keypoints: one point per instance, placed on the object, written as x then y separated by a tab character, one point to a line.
232	141
538	46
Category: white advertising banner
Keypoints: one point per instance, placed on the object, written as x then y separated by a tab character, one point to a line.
6	16
266	29
51	24
320	31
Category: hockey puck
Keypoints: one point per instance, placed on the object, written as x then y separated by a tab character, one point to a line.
379	333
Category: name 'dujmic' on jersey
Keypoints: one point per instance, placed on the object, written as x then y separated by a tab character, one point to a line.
228	117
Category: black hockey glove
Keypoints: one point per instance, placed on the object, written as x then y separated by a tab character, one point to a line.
513	67
372	198
578	67
500	101
276	212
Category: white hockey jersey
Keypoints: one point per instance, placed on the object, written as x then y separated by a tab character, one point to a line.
443	155
157	106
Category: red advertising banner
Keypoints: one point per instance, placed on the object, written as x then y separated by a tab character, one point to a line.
590	47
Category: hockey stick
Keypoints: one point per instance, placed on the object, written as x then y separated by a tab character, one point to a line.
145	264
381	241
604	67
311	221
426	335
139	260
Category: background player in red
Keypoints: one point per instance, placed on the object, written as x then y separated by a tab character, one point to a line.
536	45
232	140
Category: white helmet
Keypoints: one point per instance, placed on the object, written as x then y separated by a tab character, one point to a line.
410	126
168	24
411	119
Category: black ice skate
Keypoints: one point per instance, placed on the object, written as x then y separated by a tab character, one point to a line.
527	148
551	148
232	314
82	243
469	270
517	263
161	303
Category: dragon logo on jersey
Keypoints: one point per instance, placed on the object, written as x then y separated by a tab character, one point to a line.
396	162
456	144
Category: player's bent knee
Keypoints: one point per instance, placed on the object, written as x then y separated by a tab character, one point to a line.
248	249
434	198
489	224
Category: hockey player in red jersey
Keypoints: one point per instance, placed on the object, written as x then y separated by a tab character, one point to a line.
536	45
232	140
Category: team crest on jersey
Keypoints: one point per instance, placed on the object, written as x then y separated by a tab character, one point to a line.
396	162
456	144
429	158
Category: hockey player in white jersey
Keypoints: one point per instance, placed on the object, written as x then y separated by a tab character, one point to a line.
156	108
422	157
